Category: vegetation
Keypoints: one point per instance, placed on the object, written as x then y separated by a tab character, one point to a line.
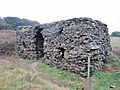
13	22
116	34
61	77
51	78
109	75
15	74
14	78
104	80
115	41
7	41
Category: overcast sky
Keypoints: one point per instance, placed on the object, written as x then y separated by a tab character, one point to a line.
44	11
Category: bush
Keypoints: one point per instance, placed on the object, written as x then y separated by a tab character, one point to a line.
116	34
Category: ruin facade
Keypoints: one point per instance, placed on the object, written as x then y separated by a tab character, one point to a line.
29	42
67	44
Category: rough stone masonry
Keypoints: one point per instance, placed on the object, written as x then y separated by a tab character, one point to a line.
66	44
29	42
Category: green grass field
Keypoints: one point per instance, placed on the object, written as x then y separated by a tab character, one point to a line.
18	76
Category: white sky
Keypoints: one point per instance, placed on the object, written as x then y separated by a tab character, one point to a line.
44	11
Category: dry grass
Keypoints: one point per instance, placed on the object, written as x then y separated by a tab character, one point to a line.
115	41
15	77
7	36
7	41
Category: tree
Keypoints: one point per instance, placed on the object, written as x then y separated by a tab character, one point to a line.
13	22
115	34
4	25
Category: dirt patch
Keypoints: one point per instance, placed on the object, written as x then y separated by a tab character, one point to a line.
109	68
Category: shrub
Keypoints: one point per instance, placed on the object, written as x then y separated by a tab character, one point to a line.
116	34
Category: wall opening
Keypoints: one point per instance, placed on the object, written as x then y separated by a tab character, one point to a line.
62	51
24	45
39	44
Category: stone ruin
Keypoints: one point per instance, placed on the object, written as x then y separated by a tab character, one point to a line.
66	44
29	42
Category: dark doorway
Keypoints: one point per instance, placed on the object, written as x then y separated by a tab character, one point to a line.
24	45
62	51
39	44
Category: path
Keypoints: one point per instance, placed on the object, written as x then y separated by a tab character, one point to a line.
33	67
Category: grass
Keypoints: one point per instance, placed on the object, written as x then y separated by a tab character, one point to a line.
18	77
23	29
115	44
7	40
25	62
115	41
14	78
115	60
101	81
61	77
104	80
7	36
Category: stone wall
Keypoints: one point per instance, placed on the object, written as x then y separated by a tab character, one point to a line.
67	44
29	42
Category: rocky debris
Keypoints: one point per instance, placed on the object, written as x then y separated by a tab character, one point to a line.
29	42
112	86
67	44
